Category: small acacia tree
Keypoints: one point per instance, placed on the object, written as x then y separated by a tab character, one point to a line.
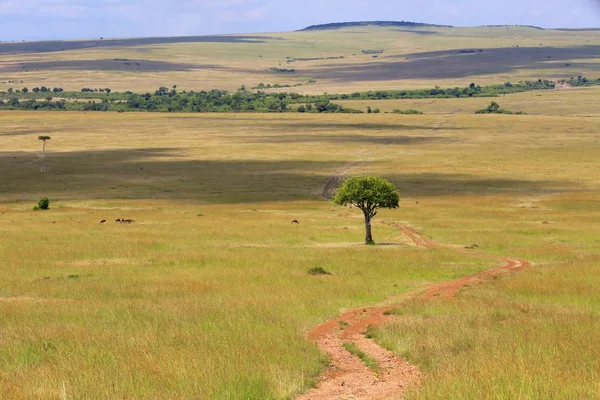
43	139
369	193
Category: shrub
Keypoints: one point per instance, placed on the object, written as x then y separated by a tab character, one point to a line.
408	112
43	204
318	271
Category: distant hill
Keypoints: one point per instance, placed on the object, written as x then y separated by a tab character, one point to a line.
403	24
516	26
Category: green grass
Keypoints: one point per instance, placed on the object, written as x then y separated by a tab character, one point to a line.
369	361
182	306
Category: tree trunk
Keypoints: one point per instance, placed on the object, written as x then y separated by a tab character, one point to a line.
368	236
44	147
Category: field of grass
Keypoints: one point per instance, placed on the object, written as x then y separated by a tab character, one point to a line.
207	295
411	58
574	102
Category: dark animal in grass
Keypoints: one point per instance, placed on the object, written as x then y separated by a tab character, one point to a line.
295	221
118	220
103	221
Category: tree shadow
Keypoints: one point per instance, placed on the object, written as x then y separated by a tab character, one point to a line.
167	174
422	185
366	139
319	125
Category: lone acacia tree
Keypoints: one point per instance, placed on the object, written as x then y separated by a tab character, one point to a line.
369	193
43	139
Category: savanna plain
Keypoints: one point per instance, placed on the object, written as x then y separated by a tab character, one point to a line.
208	295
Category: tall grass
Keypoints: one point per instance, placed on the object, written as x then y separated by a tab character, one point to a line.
180	305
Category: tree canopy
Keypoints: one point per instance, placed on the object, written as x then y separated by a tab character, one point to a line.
43	139
369	194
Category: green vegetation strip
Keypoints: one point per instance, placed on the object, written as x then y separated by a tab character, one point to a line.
172	100
364	357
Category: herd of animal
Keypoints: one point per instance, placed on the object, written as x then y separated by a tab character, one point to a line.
120	220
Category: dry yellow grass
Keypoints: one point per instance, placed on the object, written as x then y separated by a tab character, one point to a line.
573	102
406	62
207	295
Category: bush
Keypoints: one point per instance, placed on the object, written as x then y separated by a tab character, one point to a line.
318	271
407	112
43	204
494	108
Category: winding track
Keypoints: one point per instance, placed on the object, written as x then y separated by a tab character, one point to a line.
347	377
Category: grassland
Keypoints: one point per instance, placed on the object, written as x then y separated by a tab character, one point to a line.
574	102
207	295
411	58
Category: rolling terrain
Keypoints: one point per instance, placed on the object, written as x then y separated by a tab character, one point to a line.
483	285
356	58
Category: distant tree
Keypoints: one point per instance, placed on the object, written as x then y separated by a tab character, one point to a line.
302	109
10	90
108	90
369	194
35	89
44	139
44	89
24	90
493	107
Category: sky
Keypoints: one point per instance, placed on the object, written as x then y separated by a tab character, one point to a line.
73	19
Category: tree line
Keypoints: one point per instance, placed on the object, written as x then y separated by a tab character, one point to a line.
171	100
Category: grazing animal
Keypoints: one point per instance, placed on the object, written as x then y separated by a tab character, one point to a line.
118	220
79	221
295	221
53	221
103	221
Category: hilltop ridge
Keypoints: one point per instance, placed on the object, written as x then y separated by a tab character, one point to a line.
340	25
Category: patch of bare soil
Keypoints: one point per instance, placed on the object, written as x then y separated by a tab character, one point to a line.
347	377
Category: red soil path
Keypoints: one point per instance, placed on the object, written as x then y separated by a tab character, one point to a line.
347	377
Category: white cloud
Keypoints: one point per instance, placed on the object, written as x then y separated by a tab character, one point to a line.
76	18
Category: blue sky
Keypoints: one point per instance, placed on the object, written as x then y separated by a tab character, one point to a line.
69	19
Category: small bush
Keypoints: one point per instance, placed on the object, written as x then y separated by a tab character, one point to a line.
407	112
43	204
494	108
318	271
